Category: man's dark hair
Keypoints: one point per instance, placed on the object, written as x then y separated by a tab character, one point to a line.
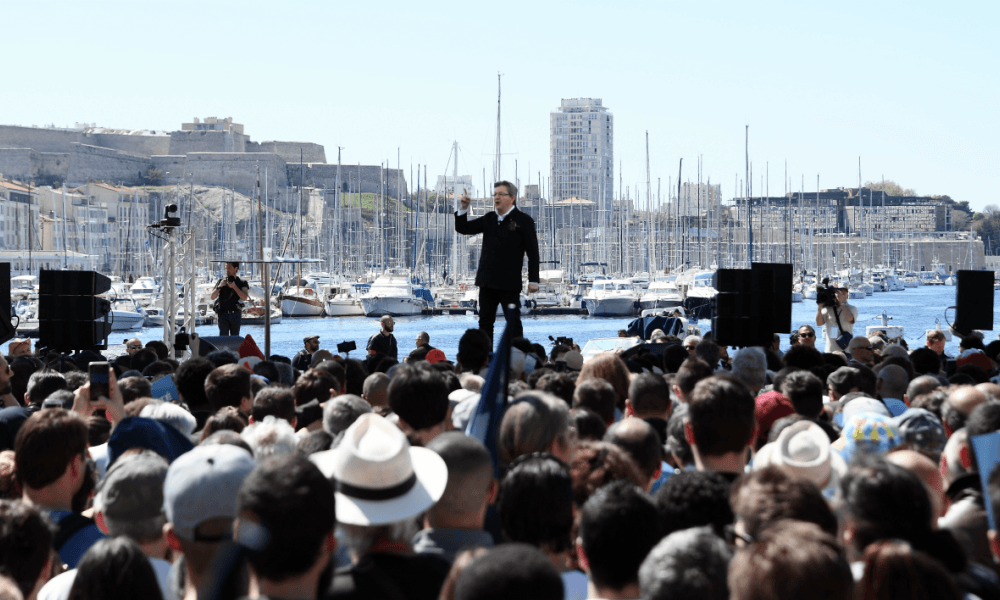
692	499
921	385
473	350
983	419
674	356
143	358
708	351
721	414
588	425
268	370
190	381
335	369
805	390
769	495
971	341
649	393
135	387
160	367
116	569
596	394
356	375
159	348
691	372
791	561
803	357
222	357
925	360
676	443
692	563
42	383
276	401
46	443
236	265
510	571
509	187
314	384
536	503
292	499
227	386
618	527
559	385
316	441
640	441
419	395
25	543
886	501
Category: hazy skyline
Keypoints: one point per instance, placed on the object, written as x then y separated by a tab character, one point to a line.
910	88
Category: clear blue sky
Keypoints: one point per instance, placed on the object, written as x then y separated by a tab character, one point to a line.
909	87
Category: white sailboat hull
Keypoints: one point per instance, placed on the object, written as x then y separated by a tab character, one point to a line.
301	306
611	307
396	306
349	307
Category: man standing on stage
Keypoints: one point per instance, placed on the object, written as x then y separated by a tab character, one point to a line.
508	235
230	291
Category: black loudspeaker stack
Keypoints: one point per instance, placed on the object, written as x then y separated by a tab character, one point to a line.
752	304
974	301
70	315
6	328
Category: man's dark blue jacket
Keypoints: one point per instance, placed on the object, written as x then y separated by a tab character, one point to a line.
504	246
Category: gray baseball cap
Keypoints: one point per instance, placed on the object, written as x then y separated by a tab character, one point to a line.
202	484
132	490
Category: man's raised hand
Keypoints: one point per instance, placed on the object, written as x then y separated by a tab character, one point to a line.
466	201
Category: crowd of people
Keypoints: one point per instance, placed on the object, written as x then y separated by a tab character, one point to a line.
694	471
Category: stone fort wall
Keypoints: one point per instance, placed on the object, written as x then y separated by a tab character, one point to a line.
102	164
236	170
289	151
370	177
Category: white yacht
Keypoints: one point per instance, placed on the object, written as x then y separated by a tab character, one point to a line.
395	295
661	293
343	300
144	290
126	315
612	298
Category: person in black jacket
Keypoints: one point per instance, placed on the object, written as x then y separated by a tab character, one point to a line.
508	235
230	291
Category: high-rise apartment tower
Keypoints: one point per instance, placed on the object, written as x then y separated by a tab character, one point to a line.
581	151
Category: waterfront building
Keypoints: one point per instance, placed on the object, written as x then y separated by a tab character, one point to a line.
581	151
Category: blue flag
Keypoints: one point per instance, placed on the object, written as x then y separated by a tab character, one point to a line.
987	449
486	419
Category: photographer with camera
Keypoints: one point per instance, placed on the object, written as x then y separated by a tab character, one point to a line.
836	314
228	294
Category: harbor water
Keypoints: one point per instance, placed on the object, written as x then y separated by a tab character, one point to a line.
915	309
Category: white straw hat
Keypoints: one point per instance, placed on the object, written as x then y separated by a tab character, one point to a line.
379	478
803	449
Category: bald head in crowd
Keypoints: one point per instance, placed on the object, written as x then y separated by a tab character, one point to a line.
921	385
959	405
640	441
376	389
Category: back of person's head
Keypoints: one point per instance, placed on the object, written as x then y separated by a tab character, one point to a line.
923	384
314	384
473	349
291	499
45	445
533	423
340	412
268	370
222	357
691	372
376	389
708	351
649	395
805	390
130	497
171	414
598	396
227	418
470	474
419	395
687	564
802	357
135	387
510	571
676	446
536	503
640	441
270	437
692	499
227	385
893	381
895	570
882	501
925	361
589	426
142	359
766	496
115	568
159	348
750	367
618	528
984	419
721	414
596	464
559	385
611	368
42	383
25	544
355	374
190	381
276	401
674	356
791	561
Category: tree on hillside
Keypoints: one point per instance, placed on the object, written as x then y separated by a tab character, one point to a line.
891	188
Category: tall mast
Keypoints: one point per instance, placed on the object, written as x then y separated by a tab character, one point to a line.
496	173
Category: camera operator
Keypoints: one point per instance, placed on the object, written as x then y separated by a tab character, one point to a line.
230	291
825	315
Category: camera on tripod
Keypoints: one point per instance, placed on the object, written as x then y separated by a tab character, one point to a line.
826	294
